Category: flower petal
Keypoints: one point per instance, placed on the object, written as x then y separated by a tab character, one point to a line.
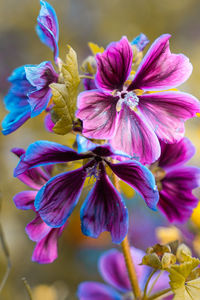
44	153
39	100
46	250
25	200
114	65
176	199
104	210
160	69
49	125
139	178
58	197
113	268
167	111
140	41
176	154
98	112
97	291
47	28
15	119
37	229
135	137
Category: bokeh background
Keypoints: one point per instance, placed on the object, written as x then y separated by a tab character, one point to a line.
80	21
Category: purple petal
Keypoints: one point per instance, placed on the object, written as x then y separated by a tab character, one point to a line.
161	284
97	291
113	268
34	178
135	137
39	100
176	199
18	151
46	250
49	125
89	84
139	178
176	154
25	200
37	229
98	112
41	75
167	111
47	28
114	65
44	153
104	210
140	41
58	197
160	69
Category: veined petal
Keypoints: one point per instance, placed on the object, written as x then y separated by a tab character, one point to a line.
48	123
167	111
113	268
39	100
104	210
139	178
58	197
176	154
114	65
97	291
25	200
47	28
176	199
15	119
46	250
37	229
160	69
98	112
41	75
135	137
44	153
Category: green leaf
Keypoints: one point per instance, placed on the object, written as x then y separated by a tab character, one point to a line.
65	95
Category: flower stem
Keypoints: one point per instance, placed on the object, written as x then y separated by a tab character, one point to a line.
153	284
128	258
86	76
146	285
131	268
159	294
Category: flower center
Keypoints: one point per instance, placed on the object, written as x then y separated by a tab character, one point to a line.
159	175
128	98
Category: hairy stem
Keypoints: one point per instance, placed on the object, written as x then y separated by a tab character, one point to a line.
28	289
128	258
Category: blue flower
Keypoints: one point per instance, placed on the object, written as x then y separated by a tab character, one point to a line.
29	94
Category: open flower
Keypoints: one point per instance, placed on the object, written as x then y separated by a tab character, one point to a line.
104	208
176	181
113	270
29	94
132	116
38	231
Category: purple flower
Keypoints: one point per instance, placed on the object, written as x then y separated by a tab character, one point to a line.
113	270
38	231
104	208
128	115
29	94
47	27
176	181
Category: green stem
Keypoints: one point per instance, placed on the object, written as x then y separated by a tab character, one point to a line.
159	294
146	285
28	289
153	284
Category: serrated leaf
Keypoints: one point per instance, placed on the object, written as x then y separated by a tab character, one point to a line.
183	289
94	48
65	94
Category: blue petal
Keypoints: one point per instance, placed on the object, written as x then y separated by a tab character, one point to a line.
47	28
84	144
15	119
140	41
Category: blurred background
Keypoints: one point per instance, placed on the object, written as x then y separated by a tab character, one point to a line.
81	21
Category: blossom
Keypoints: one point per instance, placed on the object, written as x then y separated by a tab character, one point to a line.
48	28
133	116
113	270
29	94
176	181
140	41
104	208
38	231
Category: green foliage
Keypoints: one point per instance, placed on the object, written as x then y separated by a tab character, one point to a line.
65	94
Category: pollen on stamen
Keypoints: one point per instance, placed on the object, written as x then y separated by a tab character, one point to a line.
130	99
